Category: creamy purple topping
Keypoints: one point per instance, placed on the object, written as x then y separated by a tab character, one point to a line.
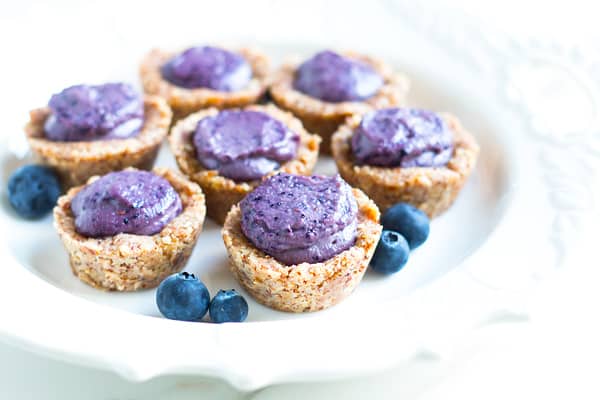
137	202
208	67
331	77
402	137
300	219
99	112
244	145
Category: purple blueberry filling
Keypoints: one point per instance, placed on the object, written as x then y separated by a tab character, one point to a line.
136	202
300	219
331	77
402	137
208	67
244	145
100	112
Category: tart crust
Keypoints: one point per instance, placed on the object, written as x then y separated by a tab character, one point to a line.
221	192
76	162
185	101
302	287
323	118
433	190
127	262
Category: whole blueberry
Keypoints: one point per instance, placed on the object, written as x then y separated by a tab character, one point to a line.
183	297
228	306
33	191
409	221
391	253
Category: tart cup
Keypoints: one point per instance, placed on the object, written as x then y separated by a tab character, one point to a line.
302	287
221	192
76	162
127	262
432	190
323	118
184	101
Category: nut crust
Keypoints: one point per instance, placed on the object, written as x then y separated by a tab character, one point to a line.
221	192
323	118
184	101
127	262
433	190
76	162
302	287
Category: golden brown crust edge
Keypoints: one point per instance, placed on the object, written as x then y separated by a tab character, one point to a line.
185	101
221	192
323	118
126	262
76	162
433	190
302	287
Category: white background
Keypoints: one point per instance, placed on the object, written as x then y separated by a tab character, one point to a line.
553	356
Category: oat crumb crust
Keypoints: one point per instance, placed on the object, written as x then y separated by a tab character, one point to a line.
127	262
185	101
302	287
433	190
76	162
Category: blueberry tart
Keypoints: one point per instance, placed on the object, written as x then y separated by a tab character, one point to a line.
89	130
301	243
406	155
130	229
325	89
205	76
228	152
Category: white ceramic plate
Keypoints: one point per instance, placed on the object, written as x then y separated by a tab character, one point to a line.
474	268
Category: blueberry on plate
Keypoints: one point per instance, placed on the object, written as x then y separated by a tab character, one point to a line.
228	306
391	253
409	221
33	191
182	297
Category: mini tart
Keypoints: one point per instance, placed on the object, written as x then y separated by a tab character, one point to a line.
185	101
433	190
127	262
76	162
302	287
323	118
221	192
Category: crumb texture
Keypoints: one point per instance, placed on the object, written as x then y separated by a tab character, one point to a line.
185	101
433	190
76	162
302	287
127	262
